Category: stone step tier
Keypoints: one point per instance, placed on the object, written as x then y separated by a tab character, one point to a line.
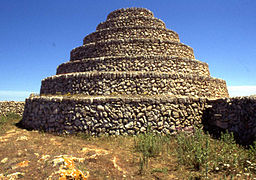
124	115
131	21
130	47
136	63
134	83
130	12
131	74
132	32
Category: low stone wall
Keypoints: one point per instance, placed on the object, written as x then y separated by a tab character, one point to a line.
130	12
116	115
237	115
113	115
143	32
130	47
131	21
135	83
136	63
7	107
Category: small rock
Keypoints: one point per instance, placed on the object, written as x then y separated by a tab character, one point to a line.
140	115
160	123
15	175
154	89
142	129
4	160
129	125
173	128
22	138
175	114
100	108
55	111
149	108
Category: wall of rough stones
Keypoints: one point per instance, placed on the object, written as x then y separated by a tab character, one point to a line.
136	63
7	107
132	32
132	115
130	12
130	47
113	115
131	21
237	115
134	83
122	84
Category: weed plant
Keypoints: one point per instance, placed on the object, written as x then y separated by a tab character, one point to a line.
207	155
150	145
9	119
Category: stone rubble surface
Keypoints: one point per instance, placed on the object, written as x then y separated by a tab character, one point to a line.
129	75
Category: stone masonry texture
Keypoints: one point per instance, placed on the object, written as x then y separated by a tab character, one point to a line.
130	74
7	107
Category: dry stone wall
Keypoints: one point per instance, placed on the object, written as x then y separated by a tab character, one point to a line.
128	21
132	47
7	107
237	115
132	32
134	83
113	115
130	74
130	12
136	63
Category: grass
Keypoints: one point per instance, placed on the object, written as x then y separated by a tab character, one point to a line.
7	121
150	145
206	155
145	156
200	153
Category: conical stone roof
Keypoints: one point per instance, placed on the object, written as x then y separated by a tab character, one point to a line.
132	45
131	54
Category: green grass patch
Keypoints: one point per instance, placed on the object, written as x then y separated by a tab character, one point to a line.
150	145
160	170
207	155
9	119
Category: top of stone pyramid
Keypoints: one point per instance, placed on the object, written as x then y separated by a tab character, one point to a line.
130	11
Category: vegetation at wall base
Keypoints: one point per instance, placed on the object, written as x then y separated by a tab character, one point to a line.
7	121
202	153
150	145
150	155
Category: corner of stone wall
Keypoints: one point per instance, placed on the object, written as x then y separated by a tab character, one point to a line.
237	115
7	107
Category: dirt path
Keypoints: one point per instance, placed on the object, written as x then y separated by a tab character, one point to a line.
33	155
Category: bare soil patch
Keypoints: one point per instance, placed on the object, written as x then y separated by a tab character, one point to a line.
37	155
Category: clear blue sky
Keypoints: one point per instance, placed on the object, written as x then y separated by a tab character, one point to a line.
38	35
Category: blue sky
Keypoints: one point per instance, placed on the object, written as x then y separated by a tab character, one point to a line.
36	36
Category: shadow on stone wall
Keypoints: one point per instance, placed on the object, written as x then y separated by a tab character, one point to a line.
237	115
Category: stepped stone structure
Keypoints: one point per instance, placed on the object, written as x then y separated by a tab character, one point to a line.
131	73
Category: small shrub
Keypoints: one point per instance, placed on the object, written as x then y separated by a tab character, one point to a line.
252	149
3	120
161	170
150	145
205	154
193	150
6	121
9	118
84	135
13	116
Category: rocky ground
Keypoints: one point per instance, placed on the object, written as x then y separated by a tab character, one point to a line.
37	155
